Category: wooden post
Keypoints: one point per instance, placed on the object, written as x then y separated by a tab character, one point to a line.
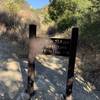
32	31
31	64
71	66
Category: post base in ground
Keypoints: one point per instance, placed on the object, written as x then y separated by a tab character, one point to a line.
70	97
30	94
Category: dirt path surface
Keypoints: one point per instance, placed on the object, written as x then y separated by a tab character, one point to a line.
50	76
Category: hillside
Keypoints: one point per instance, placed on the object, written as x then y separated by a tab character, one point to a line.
15	18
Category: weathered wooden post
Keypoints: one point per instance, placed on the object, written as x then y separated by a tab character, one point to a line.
31	64
71	66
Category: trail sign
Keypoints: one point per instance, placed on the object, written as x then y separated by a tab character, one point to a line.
64	47
60	47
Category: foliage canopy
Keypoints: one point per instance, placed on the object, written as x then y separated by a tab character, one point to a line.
83	13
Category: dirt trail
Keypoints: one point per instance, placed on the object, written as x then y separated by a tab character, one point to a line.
50	76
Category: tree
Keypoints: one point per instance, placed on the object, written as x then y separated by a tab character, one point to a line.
62	12
89	27
59	7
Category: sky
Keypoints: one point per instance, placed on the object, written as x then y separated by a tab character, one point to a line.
37	4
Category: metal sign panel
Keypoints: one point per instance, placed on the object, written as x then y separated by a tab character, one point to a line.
59	47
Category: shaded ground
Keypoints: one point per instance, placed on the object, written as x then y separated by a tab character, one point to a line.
50	76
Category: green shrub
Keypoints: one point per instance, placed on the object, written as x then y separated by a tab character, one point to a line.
66	22
47	19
